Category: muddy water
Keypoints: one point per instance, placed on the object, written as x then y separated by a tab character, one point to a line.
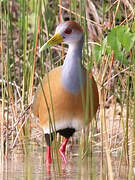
32	167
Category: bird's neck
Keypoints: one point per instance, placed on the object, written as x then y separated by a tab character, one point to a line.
73	74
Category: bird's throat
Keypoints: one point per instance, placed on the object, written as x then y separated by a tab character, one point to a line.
73	73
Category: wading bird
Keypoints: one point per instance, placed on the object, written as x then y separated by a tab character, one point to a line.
67	98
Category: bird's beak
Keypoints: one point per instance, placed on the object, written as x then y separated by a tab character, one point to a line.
56	39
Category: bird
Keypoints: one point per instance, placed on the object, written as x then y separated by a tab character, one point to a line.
67	98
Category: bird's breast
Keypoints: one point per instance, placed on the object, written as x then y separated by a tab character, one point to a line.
58	108
58	104
73	75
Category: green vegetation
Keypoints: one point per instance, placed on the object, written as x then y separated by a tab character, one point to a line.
116	41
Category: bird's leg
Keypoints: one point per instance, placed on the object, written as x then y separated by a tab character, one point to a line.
48	138
48	155
63	148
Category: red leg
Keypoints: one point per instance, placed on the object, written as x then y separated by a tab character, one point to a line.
48	156
63	148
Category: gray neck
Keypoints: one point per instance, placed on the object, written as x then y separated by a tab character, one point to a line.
73	74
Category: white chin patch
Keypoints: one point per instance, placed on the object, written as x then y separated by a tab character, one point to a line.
76	124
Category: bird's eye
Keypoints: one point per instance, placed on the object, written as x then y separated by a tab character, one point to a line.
68	31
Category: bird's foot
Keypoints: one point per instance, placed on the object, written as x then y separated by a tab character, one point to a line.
62	150
62	153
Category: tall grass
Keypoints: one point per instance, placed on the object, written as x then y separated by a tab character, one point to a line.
24	27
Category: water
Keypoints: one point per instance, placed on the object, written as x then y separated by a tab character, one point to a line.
32	166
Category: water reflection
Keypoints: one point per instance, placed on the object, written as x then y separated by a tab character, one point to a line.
32	167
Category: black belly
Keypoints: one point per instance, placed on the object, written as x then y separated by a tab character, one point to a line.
67	133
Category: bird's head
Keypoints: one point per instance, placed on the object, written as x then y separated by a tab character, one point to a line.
68	32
